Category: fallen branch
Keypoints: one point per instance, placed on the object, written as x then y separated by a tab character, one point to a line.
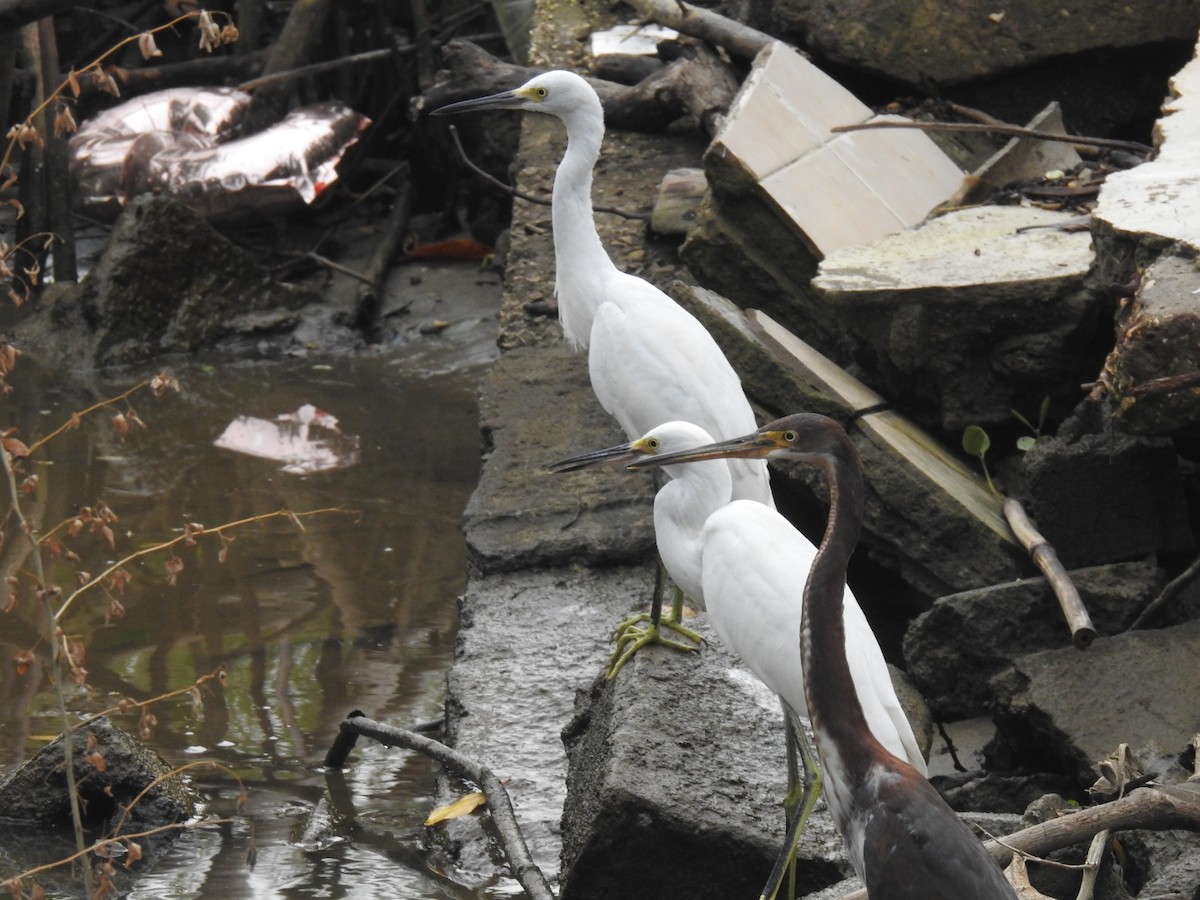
740	40
1153	808
512	842
696	83
1007	130
522	195
369	312
1169	593
1083	632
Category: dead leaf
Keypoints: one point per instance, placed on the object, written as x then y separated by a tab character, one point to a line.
463	806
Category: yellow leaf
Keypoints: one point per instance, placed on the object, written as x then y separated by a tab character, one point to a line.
463	806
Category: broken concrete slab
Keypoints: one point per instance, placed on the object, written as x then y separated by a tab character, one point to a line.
1025	158
1065	710
930	517
1152	371
787	190
1100	495
834	189
956	647
537	407
527	642
677	773
1156	204
973	314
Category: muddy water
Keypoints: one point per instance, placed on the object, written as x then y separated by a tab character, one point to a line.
354	611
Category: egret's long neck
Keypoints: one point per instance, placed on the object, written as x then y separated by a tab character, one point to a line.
580	261
681	507
833	704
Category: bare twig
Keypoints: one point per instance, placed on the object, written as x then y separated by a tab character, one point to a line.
189	535
317	68
1091	866
1083	632
1007	130
521	195
1169	593
1154	808
508	830
740	40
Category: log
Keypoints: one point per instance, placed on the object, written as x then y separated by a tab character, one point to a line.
696	83
15	13
303	29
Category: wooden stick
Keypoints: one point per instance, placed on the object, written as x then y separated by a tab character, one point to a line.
740	40
1083	632
1008	130
1155	808
507	829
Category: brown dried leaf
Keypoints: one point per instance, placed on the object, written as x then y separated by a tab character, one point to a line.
64	122
229	34
134	848
174	567
15	448
463	806
107	534
146	45
29	485
210	34
120	425
73	83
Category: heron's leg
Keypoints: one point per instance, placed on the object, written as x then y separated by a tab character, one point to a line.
798	804
637	631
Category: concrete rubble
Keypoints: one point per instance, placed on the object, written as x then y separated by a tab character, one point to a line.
678	759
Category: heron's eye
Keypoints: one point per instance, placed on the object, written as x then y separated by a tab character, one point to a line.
790	436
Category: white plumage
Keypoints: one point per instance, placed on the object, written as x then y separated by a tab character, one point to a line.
650	361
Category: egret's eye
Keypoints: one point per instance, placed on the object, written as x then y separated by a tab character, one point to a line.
653	444
790	436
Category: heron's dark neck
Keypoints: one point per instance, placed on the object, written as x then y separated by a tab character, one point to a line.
833	703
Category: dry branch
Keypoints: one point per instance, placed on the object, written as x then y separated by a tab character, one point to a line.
740	40
524	870
1083	632
697	83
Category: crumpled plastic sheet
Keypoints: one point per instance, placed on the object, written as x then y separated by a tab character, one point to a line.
185	143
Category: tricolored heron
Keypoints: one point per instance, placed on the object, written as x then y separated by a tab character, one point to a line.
740	559
902	838
650	360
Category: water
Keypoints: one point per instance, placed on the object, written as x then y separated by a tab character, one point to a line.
354	611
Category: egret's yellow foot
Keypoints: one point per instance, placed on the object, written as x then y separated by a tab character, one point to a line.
635	633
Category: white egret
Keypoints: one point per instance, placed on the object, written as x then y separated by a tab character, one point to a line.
741	558
650	361
902	838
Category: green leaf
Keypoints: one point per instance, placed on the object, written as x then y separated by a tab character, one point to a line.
1025	443
975	440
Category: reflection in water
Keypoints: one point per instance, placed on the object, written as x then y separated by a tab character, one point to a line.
352	611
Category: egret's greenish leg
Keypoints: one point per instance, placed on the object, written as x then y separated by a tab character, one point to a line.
798	804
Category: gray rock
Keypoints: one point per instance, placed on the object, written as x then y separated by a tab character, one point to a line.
527	643
1064	710
973	314
1170	861
923	507
954	648
678	774
166	283
110	775
1099	495
904	39
1151	372
537	407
